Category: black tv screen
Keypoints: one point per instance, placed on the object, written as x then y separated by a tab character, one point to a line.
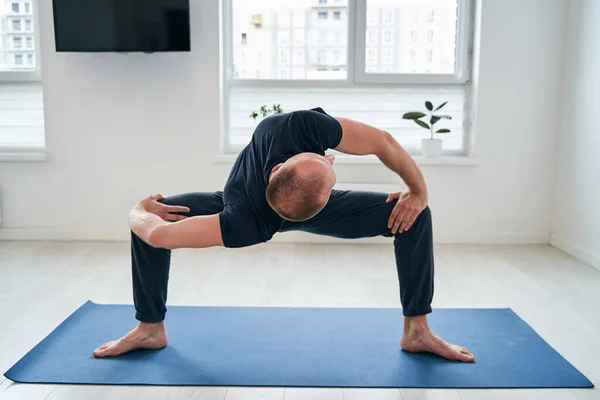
121	25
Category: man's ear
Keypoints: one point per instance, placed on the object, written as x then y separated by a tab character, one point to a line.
330	158
275	169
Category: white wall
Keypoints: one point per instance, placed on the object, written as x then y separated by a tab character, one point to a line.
576	222
122	126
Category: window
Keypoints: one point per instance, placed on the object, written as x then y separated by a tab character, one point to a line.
258	56
284	38
372	37
299	18
337	60
321	57
431	16
415	16
372	17
322	36
299	38
284	73
298	73
29	59
244	38
387	36
360	66
371	56
337	37
283	18
284	56
15	67
322	1
386	56
430	36
299	57
337	15
387	17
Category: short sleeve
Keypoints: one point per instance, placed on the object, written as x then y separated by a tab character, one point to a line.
327	128
240	228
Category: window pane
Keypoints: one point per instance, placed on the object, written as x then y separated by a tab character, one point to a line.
401	33
306	34
16	39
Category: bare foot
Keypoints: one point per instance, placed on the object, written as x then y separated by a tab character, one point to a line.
144	336
418	338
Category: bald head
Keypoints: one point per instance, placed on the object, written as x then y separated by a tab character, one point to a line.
299	188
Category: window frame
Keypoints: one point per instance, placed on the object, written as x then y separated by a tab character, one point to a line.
355	77
461	73
33	74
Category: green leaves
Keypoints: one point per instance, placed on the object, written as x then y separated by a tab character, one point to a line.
265	112
433	119
413	115
441	105
421	123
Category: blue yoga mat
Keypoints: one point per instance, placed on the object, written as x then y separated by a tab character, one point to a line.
298	347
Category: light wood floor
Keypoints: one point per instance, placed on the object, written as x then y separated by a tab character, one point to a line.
41	283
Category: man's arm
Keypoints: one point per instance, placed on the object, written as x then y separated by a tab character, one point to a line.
194	232
362	139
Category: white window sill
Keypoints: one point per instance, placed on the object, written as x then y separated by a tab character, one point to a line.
445	160
16	154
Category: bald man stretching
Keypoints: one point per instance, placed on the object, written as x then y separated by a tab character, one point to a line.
283	181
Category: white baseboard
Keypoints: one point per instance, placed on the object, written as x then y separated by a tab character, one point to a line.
576	251
289	237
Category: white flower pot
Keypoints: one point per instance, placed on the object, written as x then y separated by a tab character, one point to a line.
431	147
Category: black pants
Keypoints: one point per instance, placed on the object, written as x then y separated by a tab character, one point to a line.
348	214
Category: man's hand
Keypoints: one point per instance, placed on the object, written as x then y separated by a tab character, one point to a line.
406	211
163	211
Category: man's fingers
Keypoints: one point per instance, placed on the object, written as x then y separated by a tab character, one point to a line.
174	209
409	222
394	216
400	214
175	217
396	226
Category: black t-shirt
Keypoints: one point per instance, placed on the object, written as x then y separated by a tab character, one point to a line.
247	218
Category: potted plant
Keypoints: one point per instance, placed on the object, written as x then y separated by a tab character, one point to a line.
430	147
264	111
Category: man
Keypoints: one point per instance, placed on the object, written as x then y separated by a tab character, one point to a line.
283	181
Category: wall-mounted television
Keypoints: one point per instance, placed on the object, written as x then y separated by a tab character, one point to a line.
121	25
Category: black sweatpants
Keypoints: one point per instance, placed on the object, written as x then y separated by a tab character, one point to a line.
348	214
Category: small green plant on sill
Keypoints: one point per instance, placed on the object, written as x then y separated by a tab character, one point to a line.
433	119
264	111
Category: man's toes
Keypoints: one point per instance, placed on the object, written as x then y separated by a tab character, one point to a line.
466	357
